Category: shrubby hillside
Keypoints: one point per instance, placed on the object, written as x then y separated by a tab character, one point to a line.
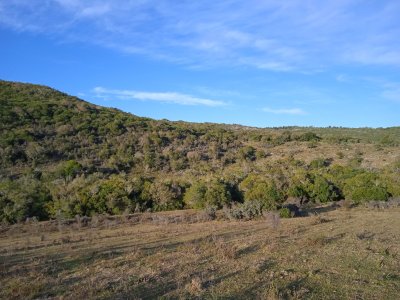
61	156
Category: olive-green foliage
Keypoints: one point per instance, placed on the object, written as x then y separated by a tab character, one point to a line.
389	140
194	196
261	189
214	193
322	190
319	163
313	186
90	196
285	213
248	153
297	190
308	137
338	175
365	187
166	195
110	196
60	155
23	198
69	169
139	190
391	177
217	194
285	137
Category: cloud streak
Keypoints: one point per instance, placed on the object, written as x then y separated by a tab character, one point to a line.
165	97
285	111
391	91
279	36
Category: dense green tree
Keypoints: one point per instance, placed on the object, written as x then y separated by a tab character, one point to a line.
23	198
110	196
365	187
299	191
261	189
166	195
217	194
195	195
323	191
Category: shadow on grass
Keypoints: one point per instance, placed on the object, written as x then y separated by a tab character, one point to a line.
305	212
247	250
295	289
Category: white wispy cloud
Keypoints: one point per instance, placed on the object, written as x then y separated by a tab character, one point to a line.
391	91
378	55
166	97
280	36
285	111
343	78
85	8
388	90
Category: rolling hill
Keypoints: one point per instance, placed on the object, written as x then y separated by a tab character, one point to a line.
62	156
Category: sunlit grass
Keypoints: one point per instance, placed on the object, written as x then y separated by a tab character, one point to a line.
351	254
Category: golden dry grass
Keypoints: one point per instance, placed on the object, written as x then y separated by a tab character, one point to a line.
372	155
341	254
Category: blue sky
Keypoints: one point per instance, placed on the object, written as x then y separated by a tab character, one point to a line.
259	63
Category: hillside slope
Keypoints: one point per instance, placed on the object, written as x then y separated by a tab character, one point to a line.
60	155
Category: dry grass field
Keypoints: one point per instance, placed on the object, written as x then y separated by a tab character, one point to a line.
337	254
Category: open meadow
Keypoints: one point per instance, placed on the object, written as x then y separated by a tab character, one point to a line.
330	254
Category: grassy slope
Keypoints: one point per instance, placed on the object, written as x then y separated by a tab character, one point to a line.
352	254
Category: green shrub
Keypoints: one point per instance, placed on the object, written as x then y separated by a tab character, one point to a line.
309	137
194	196
111	196
247	210
248	153
298	190
285	213
323	191
23	198
393	184
217	194
319	163
166	195
69	169
252	209
259	189
214	193
365	187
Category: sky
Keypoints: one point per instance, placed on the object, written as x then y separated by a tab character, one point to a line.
256	63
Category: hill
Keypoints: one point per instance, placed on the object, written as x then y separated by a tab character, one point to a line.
61	156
